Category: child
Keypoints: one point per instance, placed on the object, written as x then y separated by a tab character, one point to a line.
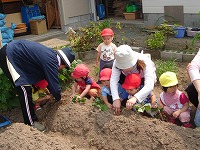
132	85
105	75
175	104
40	93
87	87
106	50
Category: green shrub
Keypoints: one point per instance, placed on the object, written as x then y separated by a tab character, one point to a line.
159	39
195	38
156	40
163	66
65	75
8	98
87	38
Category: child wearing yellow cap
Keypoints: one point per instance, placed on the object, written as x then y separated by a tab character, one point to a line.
132	85
175	104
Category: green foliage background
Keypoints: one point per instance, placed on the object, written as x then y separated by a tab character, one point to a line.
165	65
8	98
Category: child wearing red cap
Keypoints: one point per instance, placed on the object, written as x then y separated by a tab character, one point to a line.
87	87
40	93
106	50
132	85
105	75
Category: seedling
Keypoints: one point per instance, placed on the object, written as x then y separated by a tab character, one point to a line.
99	104
79	100
154	112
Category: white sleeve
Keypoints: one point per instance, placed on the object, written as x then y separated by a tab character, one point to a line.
194	68
99	48
149	78
115	76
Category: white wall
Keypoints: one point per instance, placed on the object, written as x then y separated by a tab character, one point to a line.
157	6
72	8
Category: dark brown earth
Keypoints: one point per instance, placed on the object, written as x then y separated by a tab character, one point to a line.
83	127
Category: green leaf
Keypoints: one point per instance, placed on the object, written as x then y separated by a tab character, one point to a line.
147	107
141	109
3	107
62	77
104	107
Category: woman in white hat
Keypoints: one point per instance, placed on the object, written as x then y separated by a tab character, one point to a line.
127	62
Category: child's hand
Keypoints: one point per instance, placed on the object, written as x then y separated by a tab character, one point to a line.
131	102
49	97
72	96
176	113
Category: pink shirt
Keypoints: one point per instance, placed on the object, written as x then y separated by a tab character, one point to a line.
175	102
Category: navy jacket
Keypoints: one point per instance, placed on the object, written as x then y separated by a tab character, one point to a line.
34	62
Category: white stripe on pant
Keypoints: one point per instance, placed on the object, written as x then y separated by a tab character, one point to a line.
27	106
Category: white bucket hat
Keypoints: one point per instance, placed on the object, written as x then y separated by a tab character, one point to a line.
125	57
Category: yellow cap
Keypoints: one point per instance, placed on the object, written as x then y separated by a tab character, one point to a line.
168	79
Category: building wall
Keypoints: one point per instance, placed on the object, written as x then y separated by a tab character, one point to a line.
157	6
154	10
75	13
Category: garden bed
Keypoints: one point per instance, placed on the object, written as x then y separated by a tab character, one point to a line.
83	127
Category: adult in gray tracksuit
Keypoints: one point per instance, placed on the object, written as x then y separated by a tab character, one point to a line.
25	63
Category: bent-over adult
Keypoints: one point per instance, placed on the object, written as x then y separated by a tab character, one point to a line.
25	63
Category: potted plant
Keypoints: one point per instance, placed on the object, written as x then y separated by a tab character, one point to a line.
180	31
159	39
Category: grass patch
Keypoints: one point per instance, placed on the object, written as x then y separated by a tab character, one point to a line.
166	65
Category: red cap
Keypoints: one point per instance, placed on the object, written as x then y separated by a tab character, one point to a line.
42	84
105	74
132	81
80	70
107	31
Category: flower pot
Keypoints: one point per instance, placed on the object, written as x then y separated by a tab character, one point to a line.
191	32
180	32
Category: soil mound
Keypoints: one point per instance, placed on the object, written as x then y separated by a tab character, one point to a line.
82	126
